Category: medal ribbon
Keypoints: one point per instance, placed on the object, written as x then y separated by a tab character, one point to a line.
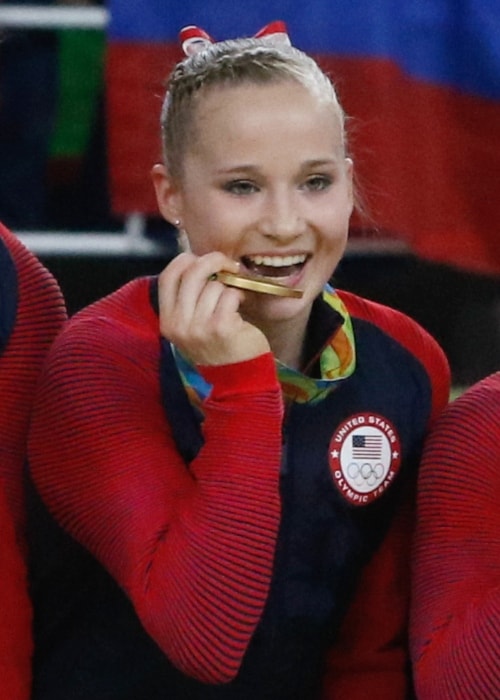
337	362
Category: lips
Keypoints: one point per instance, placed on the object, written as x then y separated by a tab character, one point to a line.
276	266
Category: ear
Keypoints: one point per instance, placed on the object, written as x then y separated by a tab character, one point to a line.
168	194
350	180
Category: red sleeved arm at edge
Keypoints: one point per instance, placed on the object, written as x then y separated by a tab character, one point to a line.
15	613
456	611
39	316
371	656
192	548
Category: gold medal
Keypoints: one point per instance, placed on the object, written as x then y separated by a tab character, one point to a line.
264	286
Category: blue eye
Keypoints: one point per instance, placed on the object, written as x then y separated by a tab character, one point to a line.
240	187
316	183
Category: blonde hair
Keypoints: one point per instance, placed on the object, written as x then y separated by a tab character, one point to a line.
231	63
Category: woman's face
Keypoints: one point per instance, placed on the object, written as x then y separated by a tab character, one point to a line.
265	180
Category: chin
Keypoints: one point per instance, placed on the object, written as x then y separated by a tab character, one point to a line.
266	308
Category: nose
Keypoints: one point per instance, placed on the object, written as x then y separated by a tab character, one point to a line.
281	216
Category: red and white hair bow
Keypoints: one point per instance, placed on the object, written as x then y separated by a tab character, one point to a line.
194	39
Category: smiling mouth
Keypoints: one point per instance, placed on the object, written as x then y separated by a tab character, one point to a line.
275	266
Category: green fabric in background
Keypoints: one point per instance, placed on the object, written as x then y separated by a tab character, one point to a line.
81	76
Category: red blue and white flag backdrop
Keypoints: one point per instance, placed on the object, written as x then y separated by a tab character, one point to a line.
419	78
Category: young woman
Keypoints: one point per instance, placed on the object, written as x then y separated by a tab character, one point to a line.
456	611
230	472
31	313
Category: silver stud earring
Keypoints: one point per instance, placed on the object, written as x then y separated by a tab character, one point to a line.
177	223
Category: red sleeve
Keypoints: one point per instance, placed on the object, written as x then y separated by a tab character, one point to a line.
15	613
455	624
193	548
40	314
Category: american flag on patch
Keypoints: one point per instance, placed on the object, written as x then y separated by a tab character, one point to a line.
367	446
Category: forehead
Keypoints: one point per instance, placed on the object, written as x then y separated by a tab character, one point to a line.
249	115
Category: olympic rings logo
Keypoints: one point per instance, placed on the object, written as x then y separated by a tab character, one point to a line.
364	457
366	474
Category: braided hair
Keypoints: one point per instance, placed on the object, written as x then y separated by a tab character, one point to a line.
232	63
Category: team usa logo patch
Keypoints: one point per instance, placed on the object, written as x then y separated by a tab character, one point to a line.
364	456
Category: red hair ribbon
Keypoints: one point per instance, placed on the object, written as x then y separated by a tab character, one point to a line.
274	32
193	39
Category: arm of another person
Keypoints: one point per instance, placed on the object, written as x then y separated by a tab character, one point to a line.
32	314
39	315
15	612
455	626
192	547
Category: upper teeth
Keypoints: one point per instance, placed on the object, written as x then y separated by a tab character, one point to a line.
277	260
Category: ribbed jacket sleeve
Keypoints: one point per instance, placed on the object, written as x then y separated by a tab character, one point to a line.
15	613
36	313
192	547
456	601
39	315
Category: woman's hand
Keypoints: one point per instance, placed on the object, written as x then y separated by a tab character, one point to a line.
200	315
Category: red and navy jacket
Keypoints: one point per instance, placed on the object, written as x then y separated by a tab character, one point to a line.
252	552
31	313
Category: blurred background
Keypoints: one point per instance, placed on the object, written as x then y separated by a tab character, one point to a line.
81	84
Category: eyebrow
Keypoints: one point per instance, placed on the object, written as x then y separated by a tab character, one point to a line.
320	162
238	169
308	164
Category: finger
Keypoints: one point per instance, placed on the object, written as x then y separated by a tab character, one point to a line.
181	288
196	276
169	282
169	279
217	305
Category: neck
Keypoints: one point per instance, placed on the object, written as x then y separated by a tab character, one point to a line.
286	340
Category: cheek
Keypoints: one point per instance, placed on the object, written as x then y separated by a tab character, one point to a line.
206	239
202	229
335	230
333	214
332	248
201	244
215	229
